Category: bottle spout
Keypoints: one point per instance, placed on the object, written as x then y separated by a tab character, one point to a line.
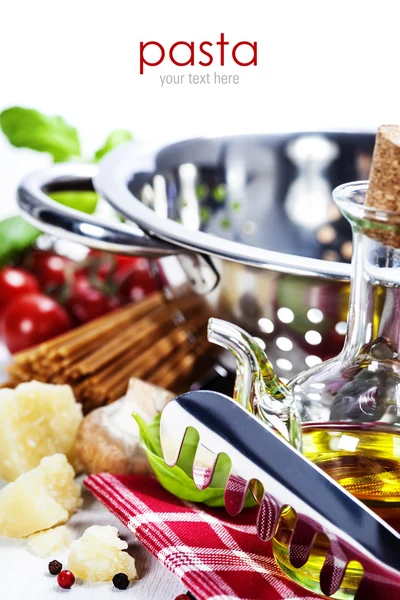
257	387
235	340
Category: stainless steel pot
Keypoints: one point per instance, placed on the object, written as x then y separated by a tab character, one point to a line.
249	219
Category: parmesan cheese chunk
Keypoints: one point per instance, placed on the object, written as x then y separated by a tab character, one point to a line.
36	420
52	542
98	555
39	499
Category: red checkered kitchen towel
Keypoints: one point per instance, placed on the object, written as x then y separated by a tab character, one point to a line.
217	557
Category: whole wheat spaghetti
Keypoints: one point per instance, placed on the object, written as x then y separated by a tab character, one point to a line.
154	339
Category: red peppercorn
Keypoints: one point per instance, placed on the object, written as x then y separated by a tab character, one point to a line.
66	579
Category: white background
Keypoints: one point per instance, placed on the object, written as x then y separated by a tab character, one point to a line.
322	64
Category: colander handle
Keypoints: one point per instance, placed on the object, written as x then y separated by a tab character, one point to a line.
62	221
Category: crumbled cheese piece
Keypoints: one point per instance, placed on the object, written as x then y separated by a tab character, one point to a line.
49	543
98	555
36	420
39	499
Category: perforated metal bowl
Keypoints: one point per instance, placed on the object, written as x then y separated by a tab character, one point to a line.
250	219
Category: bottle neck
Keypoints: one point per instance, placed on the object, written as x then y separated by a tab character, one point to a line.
374	313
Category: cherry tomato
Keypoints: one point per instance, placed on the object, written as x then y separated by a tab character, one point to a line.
138	283
86	302
49	268
31	319
13	283
108	265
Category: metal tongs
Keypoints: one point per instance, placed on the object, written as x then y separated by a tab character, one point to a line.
258	454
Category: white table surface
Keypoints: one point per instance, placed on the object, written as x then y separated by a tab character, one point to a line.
24	576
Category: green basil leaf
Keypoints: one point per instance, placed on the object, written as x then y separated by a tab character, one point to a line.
16	235
28	128
115	138
175	481
150	434
84	201
178	479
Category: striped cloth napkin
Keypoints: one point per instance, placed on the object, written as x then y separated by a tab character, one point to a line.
216	556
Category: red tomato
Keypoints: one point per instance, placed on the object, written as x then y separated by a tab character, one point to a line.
49	268
13	283
87	302
138	283
114	265
32	319
127	264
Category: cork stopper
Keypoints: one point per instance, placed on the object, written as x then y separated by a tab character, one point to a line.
384	182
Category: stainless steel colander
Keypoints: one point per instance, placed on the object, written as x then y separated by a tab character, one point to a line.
247	220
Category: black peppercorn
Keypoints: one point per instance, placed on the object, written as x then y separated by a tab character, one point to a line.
120	581
55	567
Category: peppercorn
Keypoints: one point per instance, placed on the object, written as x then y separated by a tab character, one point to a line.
54	567
120	581
66	579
